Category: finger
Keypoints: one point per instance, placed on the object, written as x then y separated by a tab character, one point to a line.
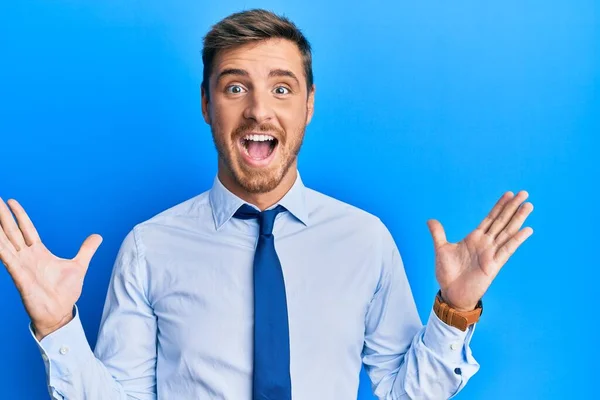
87	250
30	234
504	252
515	223
5	244
11	230
507	213
487	221
9	259
437	233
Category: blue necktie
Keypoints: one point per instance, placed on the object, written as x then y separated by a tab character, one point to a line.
271	378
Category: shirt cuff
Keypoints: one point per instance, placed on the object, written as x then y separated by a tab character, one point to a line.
65	350
448	342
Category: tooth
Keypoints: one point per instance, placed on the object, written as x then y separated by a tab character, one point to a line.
259	138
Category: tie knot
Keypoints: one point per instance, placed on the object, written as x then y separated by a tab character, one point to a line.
266	219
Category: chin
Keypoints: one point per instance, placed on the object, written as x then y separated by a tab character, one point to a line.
258	181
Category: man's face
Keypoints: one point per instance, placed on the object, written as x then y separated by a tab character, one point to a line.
258	110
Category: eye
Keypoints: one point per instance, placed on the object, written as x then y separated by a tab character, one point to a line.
234	89
282	90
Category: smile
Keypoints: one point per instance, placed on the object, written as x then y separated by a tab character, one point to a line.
258	149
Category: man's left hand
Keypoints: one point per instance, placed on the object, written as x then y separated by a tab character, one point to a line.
465	270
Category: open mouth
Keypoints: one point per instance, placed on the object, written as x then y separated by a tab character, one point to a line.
258	148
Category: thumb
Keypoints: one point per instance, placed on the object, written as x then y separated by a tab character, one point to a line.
437	232
88	249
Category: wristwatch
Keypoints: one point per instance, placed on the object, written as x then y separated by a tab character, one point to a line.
458	319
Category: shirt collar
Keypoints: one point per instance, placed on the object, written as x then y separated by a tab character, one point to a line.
224	203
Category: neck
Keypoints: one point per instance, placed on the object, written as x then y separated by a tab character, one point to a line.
260	200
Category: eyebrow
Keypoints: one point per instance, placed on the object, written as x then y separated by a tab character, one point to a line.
232	71
283	72
273	73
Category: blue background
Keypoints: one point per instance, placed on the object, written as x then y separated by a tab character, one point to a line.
424	109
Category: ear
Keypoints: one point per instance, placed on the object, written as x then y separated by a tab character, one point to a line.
205	105
310	104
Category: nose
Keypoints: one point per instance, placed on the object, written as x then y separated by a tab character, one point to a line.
259	108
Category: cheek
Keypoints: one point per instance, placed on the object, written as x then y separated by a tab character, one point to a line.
292	116
226	116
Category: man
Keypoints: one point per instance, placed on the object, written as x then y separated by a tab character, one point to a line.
259	288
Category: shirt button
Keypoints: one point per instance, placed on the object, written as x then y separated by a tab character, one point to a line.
453	346
457	371
63	350
44	357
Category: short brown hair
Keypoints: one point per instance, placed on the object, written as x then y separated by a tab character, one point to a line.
252	26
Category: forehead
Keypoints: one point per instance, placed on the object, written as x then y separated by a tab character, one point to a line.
259	58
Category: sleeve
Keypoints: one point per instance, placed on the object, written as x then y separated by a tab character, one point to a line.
403	358
123	363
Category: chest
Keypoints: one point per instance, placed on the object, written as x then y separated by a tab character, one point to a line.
203	298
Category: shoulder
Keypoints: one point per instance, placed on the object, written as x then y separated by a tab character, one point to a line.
326	209
187	216
163	232
197	207
357	231
194	207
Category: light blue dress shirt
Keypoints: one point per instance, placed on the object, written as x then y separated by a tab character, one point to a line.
177	321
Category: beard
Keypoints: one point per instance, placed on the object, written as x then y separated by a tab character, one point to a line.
257	180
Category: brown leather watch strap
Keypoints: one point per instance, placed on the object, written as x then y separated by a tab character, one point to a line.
459	319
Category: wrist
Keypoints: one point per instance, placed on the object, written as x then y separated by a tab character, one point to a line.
458	318
463	308
41	330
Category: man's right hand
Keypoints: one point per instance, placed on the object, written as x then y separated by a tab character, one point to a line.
49	286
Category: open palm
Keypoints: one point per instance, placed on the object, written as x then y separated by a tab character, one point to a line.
465	270
49	285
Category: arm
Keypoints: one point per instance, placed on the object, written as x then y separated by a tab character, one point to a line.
50	286
403	359
437	362
123	363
